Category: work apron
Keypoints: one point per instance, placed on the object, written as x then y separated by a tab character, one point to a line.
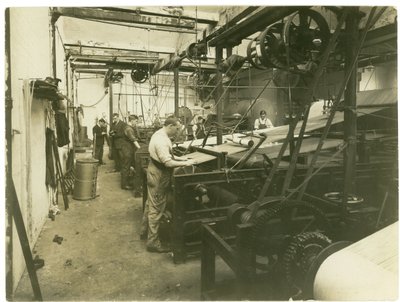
158	188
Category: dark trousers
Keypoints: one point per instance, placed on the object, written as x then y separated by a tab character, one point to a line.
116	158
98	153
125	154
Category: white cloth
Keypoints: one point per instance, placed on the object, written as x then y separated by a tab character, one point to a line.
160	146
263	123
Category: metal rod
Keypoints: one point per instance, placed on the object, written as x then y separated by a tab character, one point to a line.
247	86
53	47
334	107
350	113
220	105
176	92
8	166
317	76
110	103
23	238
296	151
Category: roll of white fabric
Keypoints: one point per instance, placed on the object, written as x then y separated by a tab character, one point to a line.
365	270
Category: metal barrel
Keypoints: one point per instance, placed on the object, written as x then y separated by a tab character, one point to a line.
85	179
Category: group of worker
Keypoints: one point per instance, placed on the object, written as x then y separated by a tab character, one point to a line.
125	142
161	165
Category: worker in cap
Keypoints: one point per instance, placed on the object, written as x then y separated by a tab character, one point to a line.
99	135
116	134
133	136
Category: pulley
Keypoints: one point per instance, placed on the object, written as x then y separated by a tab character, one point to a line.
299	40
307	34
197	51
139	75
252	55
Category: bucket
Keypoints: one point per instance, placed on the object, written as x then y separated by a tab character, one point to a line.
85	179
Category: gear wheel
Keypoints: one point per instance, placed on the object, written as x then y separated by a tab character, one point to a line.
275	228
299	255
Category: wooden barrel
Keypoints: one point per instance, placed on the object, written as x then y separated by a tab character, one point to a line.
85	179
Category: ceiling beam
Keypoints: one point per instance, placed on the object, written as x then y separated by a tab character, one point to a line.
140	11
90	71
110	63
258	21
99	14
108	48
104	53
381	35
230	23
116	59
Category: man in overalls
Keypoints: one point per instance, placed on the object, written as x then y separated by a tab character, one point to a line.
263	122
159	173
199	131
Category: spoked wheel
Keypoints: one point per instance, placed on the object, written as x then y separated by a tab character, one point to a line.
304	32
298	257
252	55
277	226
270	48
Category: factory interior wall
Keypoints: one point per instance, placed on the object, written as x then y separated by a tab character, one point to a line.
30	43
378	77
91	91
270	99
126	99
273	99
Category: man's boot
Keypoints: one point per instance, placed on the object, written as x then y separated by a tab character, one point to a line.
125	183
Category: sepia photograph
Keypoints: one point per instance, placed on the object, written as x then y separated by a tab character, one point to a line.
218	152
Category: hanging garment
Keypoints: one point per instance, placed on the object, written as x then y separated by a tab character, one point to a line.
51	178
62	128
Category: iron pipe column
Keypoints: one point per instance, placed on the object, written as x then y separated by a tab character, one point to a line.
8	165
176	82
110	93
53	45
350	113
220	107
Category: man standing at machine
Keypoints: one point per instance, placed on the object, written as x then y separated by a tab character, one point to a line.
199	131
116	126
159	173
133	136
99	134
263	122
124	141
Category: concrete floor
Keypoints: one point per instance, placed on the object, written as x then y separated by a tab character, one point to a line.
101	256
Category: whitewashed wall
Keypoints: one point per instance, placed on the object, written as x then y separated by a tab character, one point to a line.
126	98
30	58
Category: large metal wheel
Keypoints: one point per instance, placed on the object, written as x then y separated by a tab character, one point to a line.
252	55
305	32
278	224
298	257
270	47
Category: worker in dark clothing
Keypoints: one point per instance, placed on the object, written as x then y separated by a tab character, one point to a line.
125	141
116	126
199	131
159	173
99	134
132	135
